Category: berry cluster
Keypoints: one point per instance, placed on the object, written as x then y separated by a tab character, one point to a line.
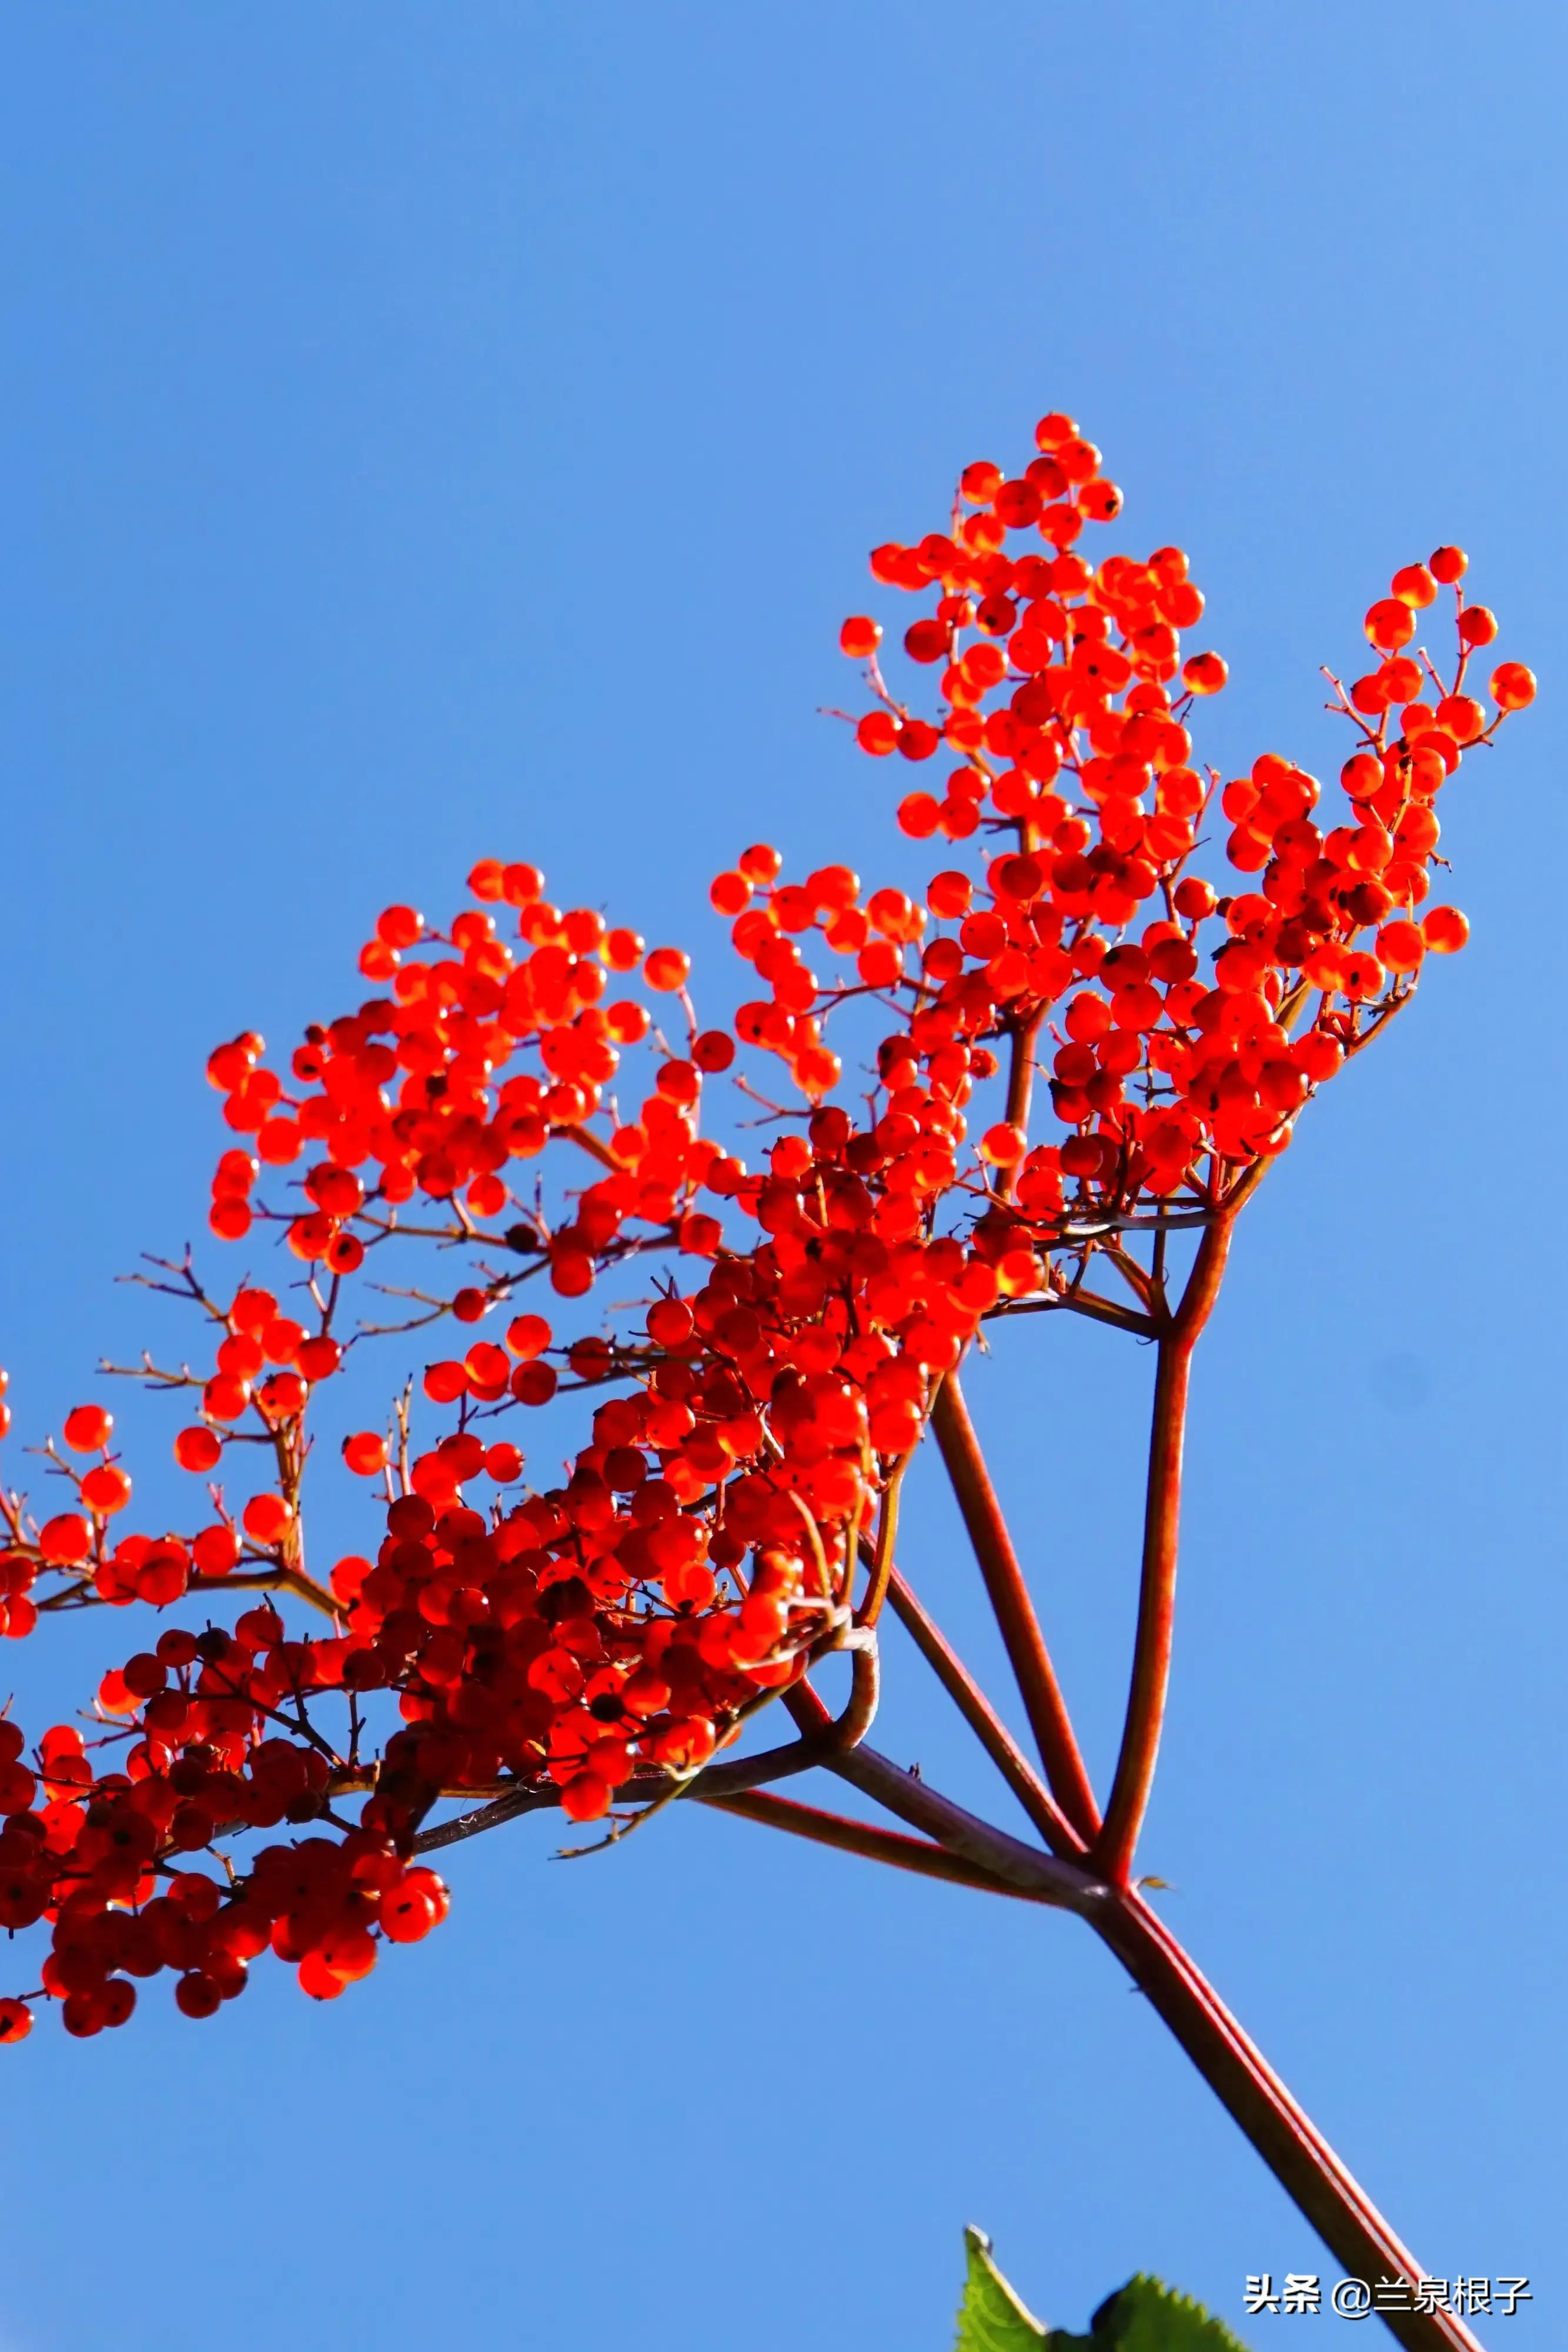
594	1641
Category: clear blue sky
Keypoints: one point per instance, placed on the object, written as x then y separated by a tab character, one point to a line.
435	431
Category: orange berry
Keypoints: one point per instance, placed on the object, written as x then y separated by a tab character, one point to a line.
487	1365
729	893
713	1050
267	1518
586	1798
572	1273
319	1358
980	482
1004	1145
528	1336
66	1539
488	879
860	636
877	733
1462	717
1448	564
1195	897
229	1065
927	641
1204	674
224	1399
198	1449
87	1428
760	863
106	1489
627	1022
1512	686
1478	625
667	969
1445	930
623	950
216	1550
365	1454
1389	624
1401	946
1414	586
282	1338
411	1907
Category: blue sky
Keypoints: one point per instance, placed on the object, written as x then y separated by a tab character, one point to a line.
436	433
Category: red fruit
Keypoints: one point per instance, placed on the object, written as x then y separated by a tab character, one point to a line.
1445	930
267	1518
1004	1145
106	1489
1204	674
197	1995
668	970
87	1428
528	1336
198	1449
586	1798
1512	686
66	1539
399	927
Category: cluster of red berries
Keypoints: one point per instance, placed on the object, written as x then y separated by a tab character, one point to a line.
1173	1081
607	1634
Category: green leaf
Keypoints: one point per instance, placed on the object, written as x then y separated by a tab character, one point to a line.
1142	2316
990	2318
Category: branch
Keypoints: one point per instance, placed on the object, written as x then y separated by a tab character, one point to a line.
877	1557
1134	1774
1067	1885
1014	1611
823	1735
1021	1084
983	1721
862	1837
1284	2135
1077	1302
643	1788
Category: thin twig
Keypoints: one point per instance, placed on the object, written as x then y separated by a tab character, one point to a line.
983	1720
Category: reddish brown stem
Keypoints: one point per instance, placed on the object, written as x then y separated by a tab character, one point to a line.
983	1720
1114	1848
1014	1610
862	1838
1230	2063
1290	2144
